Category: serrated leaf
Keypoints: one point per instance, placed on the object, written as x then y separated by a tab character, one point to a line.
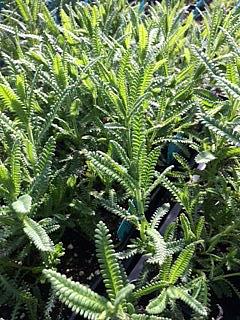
4	174
37	235
79	298
23	204
109	266
204	157
143	37
158	304
179	293
182	262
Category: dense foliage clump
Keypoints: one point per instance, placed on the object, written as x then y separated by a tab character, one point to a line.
103	106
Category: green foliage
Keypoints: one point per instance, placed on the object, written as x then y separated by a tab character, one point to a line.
104	106
79	298
111	272
37	234
122	295
23	204
181	264
83	300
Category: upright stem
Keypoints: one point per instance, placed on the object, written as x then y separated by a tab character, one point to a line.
30	133
141	214
129	140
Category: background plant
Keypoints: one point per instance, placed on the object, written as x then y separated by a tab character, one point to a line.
90	101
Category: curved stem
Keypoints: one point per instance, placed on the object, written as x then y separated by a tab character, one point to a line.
236	274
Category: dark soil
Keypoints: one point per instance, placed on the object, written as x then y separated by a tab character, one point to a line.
79	263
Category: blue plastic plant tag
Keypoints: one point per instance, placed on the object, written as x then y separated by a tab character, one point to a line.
125	226
1	5
237	5
200	5
141	5
172	148
124	230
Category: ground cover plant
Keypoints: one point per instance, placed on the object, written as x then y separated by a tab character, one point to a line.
102	106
